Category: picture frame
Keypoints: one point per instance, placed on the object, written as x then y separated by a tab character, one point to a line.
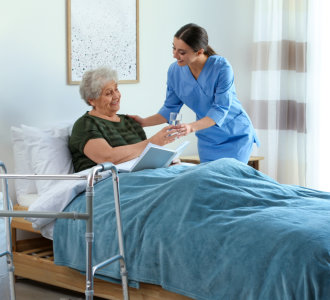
103	33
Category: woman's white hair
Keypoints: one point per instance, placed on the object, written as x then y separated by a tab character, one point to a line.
93	81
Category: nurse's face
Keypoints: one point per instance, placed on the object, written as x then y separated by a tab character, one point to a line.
183	53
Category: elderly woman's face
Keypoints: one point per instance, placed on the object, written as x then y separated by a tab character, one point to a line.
108	103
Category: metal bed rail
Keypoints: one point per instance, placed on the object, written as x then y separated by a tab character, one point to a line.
7	212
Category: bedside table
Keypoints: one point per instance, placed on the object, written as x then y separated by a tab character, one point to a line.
194	159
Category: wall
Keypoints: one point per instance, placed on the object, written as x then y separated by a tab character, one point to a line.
33	88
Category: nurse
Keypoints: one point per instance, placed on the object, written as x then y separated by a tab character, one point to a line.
204	81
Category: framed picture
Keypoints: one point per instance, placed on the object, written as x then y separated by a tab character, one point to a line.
103	33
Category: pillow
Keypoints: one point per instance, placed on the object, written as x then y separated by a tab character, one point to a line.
27	199
22	164
49	152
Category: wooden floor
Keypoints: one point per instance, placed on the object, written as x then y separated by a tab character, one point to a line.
26	289
31	290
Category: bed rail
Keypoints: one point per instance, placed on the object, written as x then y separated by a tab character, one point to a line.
7	212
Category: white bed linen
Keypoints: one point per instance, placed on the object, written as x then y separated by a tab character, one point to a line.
27	199
55	199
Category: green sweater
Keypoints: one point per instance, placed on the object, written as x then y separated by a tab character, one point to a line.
87	127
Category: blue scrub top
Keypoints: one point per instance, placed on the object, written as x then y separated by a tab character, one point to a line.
212	94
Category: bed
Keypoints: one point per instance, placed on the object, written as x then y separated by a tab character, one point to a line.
219	230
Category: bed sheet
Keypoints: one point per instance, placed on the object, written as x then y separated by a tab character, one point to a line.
220	230
55	199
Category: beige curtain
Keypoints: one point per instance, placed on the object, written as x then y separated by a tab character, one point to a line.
278	91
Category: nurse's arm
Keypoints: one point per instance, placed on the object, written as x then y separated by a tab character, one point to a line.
203	123
155	119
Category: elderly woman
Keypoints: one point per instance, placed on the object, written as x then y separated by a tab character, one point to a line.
101	134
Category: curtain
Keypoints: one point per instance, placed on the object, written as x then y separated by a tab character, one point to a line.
278	87
318	99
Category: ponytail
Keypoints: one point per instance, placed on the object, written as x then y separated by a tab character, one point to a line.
209	51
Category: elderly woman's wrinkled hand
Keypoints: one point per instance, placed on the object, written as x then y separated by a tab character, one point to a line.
165	136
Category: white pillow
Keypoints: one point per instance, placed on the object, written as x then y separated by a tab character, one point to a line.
22	163
27	199
49	152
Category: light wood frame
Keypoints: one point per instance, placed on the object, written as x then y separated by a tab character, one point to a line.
253	162
113	62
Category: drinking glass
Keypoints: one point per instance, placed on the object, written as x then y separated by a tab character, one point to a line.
175	118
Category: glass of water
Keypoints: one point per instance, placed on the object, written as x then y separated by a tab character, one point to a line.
175	118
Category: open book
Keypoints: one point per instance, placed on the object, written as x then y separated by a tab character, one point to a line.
152	157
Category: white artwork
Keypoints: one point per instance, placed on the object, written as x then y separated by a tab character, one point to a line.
102	33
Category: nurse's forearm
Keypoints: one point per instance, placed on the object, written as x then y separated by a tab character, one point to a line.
154	120
203	123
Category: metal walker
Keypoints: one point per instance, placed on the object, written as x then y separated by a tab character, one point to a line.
7	212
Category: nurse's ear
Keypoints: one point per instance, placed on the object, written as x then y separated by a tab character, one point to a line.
200	52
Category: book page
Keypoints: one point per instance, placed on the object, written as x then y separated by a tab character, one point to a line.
155	157
152	157
180	149
127	165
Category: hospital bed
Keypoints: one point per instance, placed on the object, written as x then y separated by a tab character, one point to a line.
220	230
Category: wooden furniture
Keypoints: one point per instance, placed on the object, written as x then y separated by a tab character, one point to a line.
33	259
194	159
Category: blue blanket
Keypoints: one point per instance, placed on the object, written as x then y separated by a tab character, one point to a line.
220	230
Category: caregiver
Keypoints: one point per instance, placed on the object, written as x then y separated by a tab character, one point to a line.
204	81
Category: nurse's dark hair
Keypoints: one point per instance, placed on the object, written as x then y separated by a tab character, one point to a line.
195	37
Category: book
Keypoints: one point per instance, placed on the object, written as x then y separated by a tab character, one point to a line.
152	157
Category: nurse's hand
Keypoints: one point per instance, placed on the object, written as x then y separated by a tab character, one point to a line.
138	119
149	121
184	129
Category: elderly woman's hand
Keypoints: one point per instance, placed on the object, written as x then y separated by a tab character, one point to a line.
165	136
